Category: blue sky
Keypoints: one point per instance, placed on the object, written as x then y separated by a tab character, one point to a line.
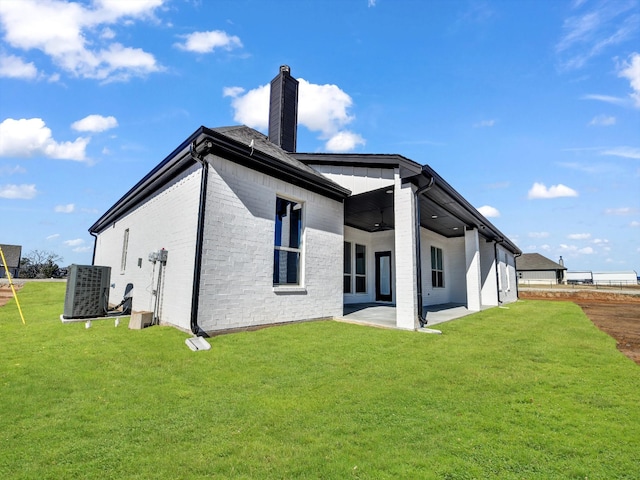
530	109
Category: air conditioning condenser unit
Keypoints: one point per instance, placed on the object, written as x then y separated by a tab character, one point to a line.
87	293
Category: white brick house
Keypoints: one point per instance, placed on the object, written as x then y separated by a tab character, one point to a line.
255	233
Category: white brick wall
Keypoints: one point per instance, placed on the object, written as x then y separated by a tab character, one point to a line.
406	281
166	220
454	290
508	279
237	274
472	257
489	293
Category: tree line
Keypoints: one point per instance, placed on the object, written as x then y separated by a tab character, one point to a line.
41	264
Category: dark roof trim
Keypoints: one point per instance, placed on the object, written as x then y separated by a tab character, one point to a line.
489	231
413	172
372	160
180	160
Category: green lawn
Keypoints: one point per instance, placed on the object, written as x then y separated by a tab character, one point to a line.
534	391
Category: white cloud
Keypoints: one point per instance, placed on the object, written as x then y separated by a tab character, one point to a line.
579	236
250	108
321	108
489	211
606	98
591	33
21	192
631	71
53	237
539	190
70	34
28	137
602	121
545	247
538	234
207	42
575	250
69	208
621	211
600	241
74	243
7	170
15	67
634	224
324	108
112	10
484	124
95	123
232	91
344	141
625	152
371	3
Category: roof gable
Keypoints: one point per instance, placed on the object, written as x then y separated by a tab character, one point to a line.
535	261
12	255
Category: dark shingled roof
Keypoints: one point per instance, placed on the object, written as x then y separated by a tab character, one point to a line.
234	144
12	254
535	261
244	134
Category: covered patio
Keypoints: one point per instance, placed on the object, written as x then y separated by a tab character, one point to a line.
384	315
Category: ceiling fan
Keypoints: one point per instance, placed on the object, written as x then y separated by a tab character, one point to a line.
381	226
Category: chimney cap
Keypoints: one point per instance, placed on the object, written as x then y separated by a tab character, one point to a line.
285	69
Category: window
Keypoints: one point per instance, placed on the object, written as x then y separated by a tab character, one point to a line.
125	247
288	239
437	268
347	267
361	269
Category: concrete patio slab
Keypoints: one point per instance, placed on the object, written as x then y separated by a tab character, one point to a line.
384	315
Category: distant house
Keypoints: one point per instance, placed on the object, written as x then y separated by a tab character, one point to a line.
12	254
534	268
235	229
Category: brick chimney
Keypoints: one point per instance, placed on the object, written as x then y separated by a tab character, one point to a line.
283	110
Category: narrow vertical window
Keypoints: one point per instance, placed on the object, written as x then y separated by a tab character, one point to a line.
287	243
361	269
347	267
125	247
437	268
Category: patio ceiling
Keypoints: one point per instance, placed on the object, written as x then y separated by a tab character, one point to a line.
373	211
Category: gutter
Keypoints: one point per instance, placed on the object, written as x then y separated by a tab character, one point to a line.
199	156
95	244
417	193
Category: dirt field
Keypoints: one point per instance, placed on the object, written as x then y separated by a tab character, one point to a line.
5	293
614	313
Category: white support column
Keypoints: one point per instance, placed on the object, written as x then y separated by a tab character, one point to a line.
405	250
474	278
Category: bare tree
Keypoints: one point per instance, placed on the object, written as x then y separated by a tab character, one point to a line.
40	264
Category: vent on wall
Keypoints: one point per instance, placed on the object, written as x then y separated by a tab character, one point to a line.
87	293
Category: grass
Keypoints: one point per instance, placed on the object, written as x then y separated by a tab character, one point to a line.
534	391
